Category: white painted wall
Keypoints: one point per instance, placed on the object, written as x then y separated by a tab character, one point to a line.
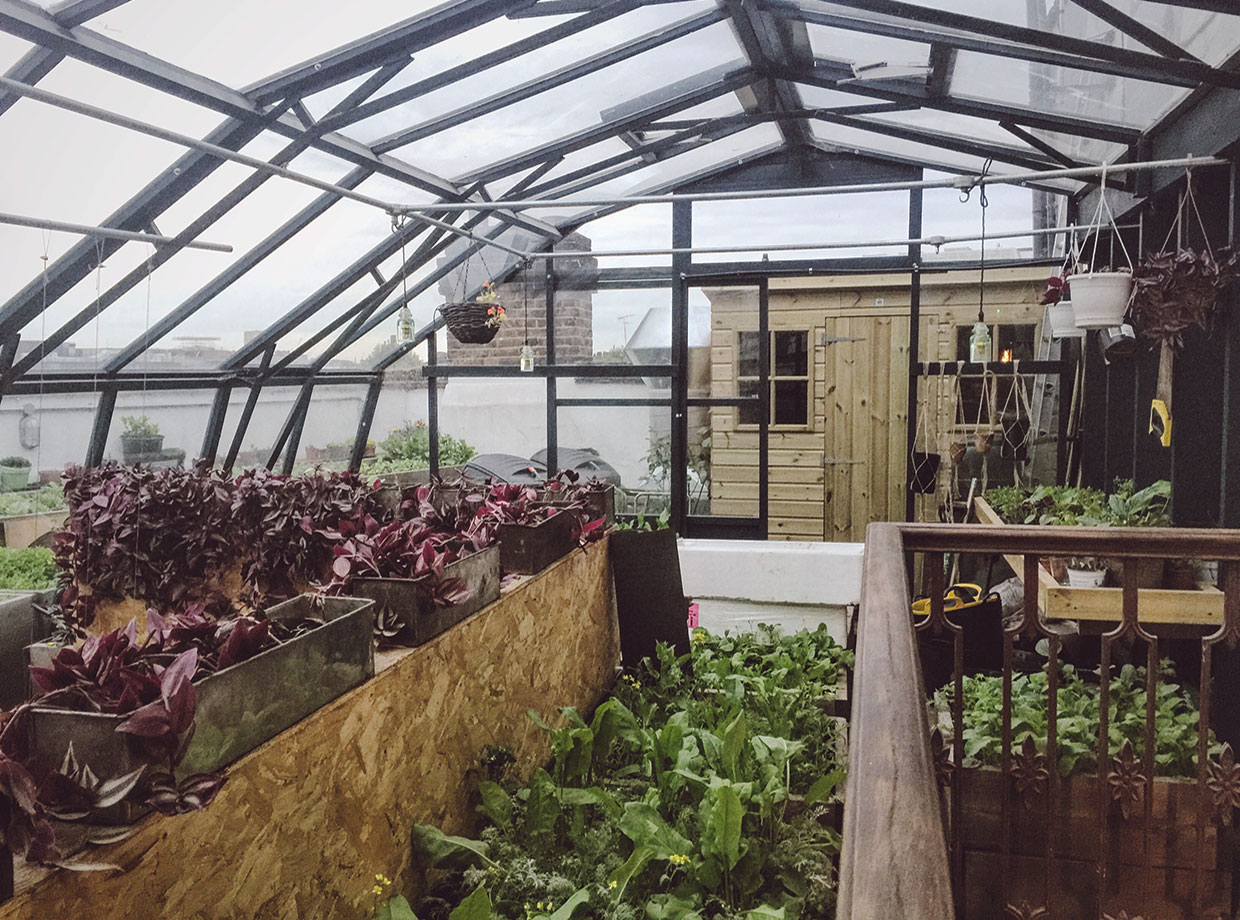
775	572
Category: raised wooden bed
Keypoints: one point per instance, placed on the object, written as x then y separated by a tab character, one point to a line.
22	530
1164	890
238	708
410	603
1157	605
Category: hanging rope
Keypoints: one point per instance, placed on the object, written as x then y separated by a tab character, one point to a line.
984	201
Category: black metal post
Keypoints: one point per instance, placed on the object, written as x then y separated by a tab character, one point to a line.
247	413
432	402
914	343
299	424
682	238
215	424
364	422
553	415
8	351
1229	495
103	422
295	412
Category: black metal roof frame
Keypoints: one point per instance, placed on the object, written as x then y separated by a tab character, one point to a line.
777	57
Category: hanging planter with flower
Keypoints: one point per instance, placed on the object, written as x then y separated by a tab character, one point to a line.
477	321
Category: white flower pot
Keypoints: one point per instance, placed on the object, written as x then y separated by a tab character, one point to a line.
1100	299
1062	319
1083	578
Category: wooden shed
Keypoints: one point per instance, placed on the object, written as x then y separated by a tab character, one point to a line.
839	388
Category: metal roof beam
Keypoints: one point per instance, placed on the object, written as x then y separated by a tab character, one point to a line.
547	81
365	54
75	12
828	75
1155	41
699	89
491	58
1030	39
763	46
1013	155
1034	141
1210	6
1151	67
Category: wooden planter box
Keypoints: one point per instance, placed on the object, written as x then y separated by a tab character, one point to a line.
22	530
526	549
420	619
20	625
1156	605
238	708
1166	891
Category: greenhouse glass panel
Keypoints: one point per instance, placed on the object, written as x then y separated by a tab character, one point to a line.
631	443
865	51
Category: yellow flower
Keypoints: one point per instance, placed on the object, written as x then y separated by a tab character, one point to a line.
378	889
612	883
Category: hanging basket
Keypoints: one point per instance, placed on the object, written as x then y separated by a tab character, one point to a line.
1100	299
469	321
1062	319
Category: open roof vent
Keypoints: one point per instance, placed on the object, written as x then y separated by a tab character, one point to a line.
881	70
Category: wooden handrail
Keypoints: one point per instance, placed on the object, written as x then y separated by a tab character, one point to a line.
1167	542
893	863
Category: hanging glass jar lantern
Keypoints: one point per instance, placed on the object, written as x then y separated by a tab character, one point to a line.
404	325
527	358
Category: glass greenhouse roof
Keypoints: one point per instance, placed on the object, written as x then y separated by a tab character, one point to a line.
569	100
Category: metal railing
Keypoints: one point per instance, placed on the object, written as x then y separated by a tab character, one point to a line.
931	836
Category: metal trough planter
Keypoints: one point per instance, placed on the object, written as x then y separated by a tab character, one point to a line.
238	708
411	603
529	548
597	504
20	625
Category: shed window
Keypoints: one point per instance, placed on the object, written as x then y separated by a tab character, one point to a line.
789	382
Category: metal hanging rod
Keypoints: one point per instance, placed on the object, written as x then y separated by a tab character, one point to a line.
935	241
39	223
184	140
962	183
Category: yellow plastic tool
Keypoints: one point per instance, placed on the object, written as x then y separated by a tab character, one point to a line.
961	594
1160	422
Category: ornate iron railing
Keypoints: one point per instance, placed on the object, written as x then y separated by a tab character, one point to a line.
929	835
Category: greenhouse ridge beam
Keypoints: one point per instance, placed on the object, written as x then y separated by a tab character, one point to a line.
108	233
1153	40
967	180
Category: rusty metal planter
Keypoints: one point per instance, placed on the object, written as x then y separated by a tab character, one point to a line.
600	503
238	708
529	548
420	619
20	625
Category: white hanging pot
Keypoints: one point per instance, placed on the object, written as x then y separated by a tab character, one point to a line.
1062	319
1082	578
1100	299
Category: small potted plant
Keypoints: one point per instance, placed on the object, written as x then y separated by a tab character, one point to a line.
1099	298
1060	314
140	439
14	473
1086	572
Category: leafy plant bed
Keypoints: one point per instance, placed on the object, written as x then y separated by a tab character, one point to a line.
700	789
405	609
1160	883
1157	605
238	706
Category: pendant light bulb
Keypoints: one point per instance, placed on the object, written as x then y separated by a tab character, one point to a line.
404	325
979	343
527	358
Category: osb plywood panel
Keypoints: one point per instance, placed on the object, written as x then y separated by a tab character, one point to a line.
306	821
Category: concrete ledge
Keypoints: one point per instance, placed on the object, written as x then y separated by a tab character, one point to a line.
773	572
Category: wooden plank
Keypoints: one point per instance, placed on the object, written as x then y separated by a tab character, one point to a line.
862	430
790	475
897	431
799	510
809	493
1155	605
793	529
778	457
880	418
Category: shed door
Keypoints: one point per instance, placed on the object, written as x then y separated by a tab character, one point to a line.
866	364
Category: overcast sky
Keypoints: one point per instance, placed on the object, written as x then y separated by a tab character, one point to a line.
64	166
